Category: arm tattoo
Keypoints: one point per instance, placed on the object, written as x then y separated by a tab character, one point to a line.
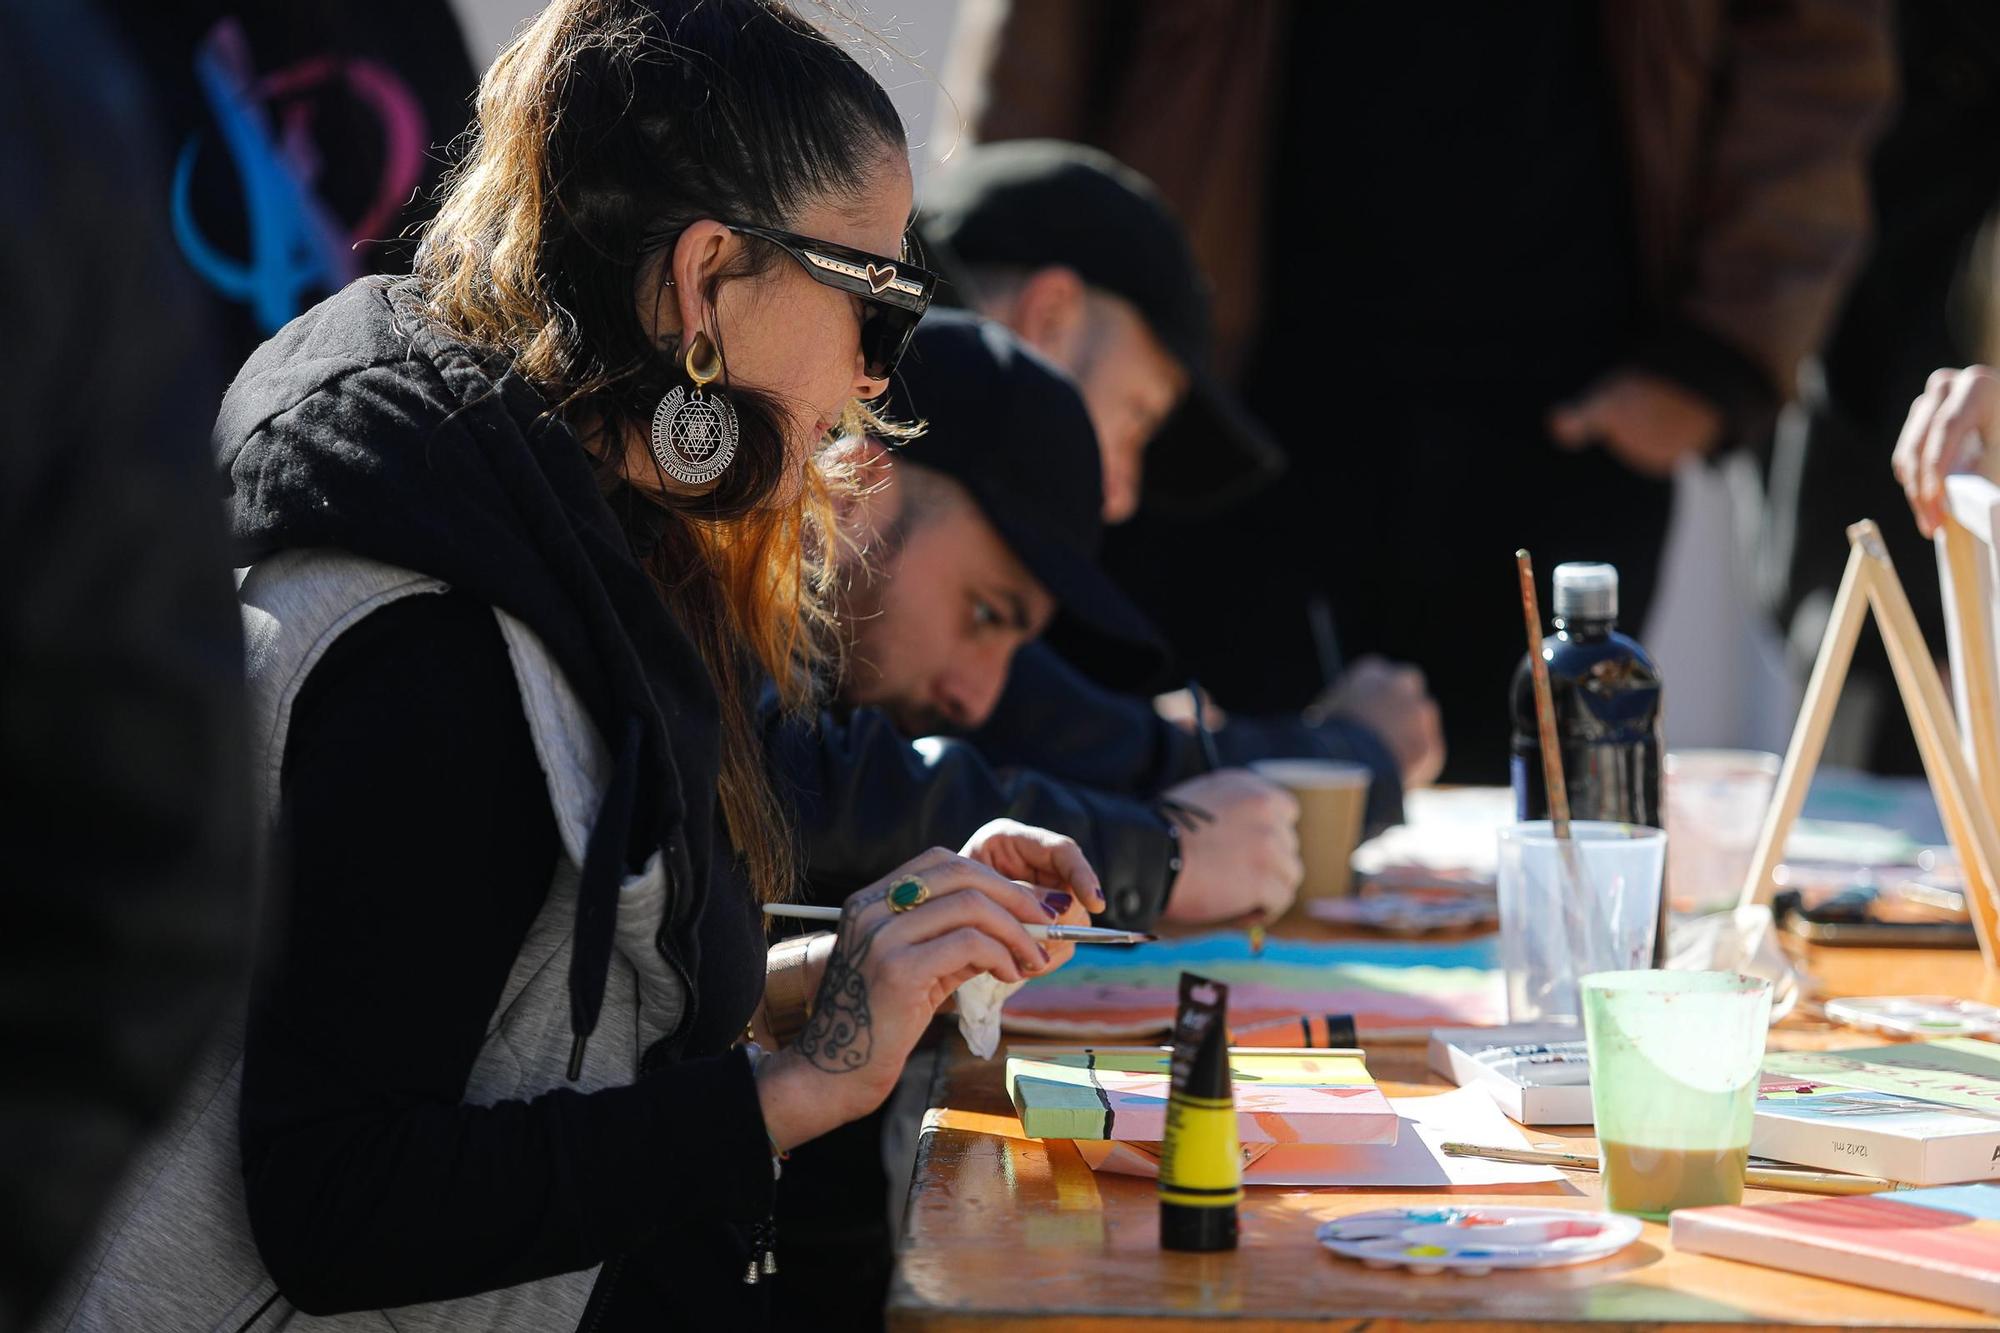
840	1035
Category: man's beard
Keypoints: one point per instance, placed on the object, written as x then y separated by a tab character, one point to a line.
858	602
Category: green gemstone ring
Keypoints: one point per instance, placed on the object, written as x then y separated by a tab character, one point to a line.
907	893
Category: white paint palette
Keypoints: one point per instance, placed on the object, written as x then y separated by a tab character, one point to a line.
1474	1241
1918	1015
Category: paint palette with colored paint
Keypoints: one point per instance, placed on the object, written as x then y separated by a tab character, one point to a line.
1917	1015
1477	1240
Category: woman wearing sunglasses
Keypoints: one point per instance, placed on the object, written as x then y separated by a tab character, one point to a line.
521	533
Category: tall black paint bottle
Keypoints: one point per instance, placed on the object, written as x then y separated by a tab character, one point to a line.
1607	699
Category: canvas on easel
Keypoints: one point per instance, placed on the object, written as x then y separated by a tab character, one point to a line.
1969	572
1965	796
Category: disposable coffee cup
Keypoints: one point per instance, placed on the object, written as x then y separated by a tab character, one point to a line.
1333	797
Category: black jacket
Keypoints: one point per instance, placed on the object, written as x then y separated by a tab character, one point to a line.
868	798
1055	719
364	428
1062	752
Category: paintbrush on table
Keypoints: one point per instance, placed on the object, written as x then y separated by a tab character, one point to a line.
1799	1180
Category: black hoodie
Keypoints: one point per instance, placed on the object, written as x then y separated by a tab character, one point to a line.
361	427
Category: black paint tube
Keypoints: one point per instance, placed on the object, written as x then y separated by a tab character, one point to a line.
1201	1167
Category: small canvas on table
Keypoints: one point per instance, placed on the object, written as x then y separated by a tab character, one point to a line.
1301	1096
1877	1134
1941	1244
1416	1161
1953	1071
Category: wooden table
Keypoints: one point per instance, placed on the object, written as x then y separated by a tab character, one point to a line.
1007	1232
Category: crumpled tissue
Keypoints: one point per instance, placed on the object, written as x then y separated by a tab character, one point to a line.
979	1003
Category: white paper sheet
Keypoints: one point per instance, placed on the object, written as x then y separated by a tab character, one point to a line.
1463	1115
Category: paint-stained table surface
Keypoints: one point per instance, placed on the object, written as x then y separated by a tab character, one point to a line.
1006	1232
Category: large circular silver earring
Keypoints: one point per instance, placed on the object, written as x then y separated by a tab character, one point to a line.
694	434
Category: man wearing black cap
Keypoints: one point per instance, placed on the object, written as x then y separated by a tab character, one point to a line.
1079	255
973	540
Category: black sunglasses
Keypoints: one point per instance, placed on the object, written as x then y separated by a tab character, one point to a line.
897	292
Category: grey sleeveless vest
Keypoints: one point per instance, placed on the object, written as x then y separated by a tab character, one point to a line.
175	1251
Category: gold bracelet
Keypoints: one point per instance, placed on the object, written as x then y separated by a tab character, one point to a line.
788	988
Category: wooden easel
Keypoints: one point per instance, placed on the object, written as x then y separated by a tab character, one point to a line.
1968	806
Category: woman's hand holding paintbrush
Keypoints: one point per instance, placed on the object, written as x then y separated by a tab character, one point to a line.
931	905
903	946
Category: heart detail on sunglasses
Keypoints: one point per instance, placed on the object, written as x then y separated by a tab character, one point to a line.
880	278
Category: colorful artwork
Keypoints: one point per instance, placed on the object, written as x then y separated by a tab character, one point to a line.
1834	1105
1108	994
1886	1135
1297	1097
1943	1244
1957	1071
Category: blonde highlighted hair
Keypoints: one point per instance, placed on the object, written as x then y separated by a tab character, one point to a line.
609	122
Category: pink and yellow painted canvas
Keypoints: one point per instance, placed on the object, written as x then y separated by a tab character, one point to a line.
1942	1244
1302	1096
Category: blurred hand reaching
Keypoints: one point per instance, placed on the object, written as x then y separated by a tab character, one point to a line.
1392	700
1943	434
1647	423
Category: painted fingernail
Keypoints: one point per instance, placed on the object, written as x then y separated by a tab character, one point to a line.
1055	902
1046	958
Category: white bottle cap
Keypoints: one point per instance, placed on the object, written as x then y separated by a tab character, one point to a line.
1586	591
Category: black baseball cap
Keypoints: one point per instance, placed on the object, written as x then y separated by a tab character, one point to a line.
1012	430
1037	202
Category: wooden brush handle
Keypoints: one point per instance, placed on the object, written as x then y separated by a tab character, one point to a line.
1545	709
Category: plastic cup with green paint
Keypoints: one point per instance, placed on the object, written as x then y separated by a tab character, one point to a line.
1674	1065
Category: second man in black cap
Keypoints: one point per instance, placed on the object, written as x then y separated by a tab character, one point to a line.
968	543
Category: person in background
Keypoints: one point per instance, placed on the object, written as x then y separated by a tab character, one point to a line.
124	784
307	140
970	542
964	545
1921	300
1490	273
1080	256
1946	432
521	535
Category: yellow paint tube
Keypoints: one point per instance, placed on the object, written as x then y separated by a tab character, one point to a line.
1201	1169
